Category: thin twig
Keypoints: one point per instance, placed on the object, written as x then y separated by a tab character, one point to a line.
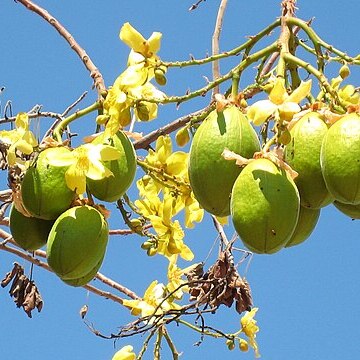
29	257
215	43
85	58
145	141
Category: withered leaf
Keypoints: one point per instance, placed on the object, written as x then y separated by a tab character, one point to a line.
23	290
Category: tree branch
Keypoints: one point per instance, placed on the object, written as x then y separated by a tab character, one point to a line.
215	42
85	58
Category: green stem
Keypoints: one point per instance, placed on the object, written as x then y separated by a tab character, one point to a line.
198	329
78	114
201	92
318	74
148	168
313	37
248	44
235	85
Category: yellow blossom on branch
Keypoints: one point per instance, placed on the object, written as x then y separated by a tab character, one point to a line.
175	165
132	38
84	161
249	328
280	104
170	235
154	301
20	139
125	353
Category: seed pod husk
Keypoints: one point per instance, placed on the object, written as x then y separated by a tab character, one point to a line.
29	232
264	206
340	159
353	211
306	224
211	176
113	187
303	155
44	191
77	242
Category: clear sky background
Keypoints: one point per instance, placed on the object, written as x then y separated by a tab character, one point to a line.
308	296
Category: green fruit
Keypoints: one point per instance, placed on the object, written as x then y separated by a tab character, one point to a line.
28	232
44	191
264	206
85	279
211	176
307	221
352	211
77	242
303	155
113	187
340	159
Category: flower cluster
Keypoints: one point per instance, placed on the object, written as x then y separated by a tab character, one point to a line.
134	83
164	192
20	139
85	161
280	104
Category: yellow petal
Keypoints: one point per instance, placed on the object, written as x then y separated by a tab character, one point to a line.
60	158
22	121
278	93
260	111
29	137
154	42
163	148
97	171
176	163
186	253
75	180
125	353
24	147
301	92
108	153
134	75
131	37
288	110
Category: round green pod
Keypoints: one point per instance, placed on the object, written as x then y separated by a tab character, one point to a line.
77	242
113	187
211	176
44	191
340	159
306	224
303	155
352	211
85	279
264	206
30	233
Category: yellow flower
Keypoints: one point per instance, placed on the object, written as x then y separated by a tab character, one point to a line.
174	164
125	353
249	328
169	233
21	139
154	302
132	38
85	161
349	95
280	104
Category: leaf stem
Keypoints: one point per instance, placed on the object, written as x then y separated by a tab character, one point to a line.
65	122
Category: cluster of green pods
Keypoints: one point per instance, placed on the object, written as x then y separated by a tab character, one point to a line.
269	209
75	236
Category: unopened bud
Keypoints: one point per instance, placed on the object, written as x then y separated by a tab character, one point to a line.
344	71
182	137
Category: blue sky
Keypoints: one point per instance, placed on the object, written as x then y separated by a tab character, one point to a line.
307	296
